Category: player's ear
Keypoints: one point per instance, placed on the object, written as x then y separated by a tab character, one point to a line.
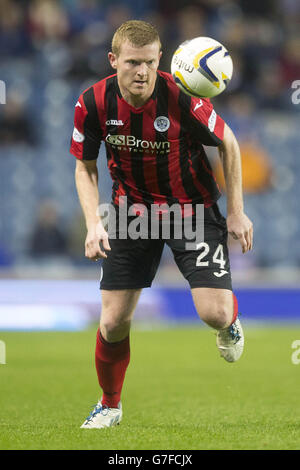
112	60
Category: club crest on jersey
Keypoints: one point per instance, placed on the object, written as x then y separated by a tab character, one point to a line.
161	124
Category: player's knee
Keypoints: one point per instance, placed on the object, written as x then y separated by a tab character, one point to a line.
217	316
114	329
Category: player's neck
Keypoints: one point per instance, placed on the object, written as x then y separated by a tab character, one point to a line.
137	101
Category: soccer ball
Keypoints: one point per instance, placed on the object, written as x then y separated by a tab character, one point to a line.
201	67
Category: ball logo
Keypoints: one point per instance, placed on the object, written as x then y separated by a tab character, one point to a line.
161	124
183	65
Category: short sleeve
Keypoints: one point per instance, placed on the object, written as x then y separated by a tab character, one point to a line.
87	135
203	121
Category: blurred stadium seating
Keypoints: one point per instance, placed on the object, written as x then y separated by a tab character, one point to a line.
51	50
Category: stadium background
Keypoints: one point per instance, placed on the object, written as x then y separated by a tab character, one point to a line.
52	50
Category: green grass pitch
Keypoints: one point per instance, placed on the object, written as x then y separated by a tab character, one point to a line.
178	393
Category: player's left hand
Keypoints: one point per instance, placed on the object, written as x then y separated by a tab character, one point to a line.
240	228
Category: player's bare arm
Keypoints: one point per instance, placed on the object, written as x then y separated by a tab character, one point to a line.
239	225
86	178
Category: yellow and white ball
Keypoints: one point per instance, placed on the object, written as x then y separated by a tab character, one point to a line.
202	67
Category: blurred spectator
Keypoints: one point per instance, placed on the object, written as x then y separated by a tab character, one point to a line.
76	236
269	89
47	238
186	23
256	169
92	40
190	23
256	163
47	21
14	39
83	13
258	7
15	126
240	110
6	258
289	62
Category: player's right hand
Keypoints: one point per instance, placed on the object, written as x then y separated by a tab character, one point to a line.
240	228
96	242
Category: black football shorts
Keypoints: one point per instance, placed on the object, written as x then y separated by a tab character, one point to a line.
132	264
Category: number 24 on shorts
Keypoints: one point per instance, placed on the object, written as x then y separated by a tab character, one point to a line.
218	257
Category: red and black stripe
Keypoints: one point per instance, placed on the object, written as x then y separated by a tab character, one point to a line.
162	159
188	174
137	158
120	188
91	127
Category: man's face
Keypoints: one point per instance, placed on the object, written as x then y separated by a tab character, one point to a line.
136	68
